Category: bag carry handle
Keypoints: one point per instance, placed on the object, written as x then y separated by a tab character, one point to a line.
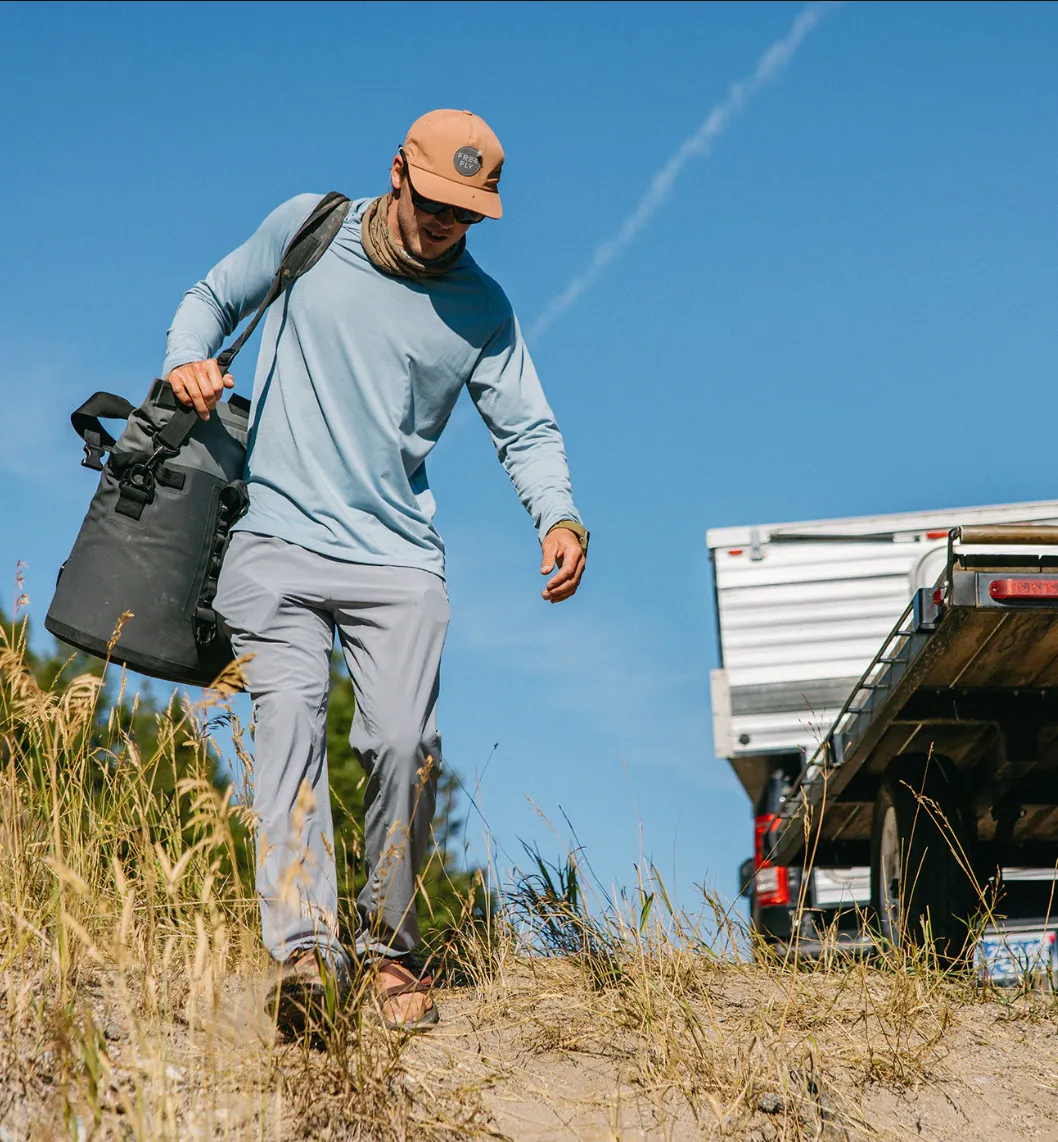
85	421
303	251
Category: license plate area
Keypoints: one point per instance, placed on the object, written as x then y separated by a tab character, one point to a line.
1011	958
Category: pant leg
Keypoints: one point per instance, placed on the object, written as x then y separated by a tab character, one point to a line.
392	629
264	598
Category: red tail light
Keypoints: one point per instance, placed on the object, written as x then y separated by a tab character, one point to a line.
771	882
1009	590
936	535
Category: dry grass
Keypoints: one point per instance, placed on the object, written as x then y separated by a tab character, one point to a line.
131	984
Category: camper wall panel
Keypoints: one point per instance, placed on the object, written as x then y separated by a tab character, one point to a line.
1034	511
801	619
774	733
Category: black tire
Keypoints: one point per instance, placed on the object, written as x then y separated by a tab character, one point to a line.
926	896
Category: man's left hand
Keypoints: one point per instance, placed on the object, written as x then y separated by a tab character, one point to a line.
561	549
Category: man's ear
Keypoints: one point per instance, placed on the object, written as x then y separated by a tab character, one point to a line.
395	172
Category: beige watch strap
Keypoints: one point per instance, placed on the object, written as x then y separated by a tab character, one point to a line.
578	529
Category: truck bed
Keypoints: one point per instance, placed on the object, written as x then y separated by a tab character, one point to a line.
965	674
801	611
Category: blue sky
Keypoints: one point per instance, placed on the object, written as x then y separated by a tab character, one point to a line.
847	307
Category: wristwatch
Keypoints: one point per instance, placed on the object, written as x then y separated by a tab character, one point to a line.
578	529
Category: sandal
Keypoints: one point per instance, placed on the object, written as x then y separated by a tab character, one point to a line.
409	985
308	991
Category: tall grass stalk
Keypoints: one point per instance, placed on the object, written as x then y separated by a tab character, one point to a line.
132	978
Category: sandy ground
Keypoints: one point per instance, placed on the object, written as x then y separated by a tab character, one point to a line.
539	1056
994	1077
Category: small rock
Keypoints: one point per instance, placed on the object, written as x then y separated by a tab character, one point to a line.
113	1032
770	1104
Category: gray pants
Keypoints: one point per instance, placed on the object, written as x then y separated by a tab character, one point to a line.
282	604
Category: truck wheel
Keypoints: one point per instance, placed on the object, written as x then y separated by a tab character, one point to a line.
919	889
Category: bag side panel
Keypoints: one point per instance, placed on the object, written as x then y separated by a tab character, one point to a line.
151	567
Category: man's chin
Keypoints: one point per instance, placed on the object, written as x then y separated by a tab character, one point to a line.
431	251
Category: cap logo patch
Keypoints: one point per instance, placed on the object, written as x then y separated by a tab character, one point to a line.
467	161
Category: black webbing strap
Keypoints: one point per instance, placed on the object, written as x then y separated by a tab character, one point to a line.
303	251
85	421
231	506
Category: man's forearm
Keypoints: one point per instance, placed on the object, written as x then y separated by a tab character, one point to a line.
536	464
198	329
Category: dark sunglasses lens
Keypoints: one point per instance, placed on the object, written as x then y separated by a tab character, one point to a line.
463	216
427	204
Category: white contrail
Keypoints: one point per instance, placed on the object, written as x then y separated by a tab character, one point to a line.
700	143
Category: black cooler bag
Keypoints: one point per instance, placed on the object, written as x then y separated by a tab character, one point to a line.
154	537
138	586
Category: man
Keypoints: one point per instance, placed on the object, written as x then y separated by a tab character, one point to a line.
361	363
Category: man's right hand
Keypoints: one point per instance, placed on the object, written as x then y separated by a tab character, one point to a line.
200	383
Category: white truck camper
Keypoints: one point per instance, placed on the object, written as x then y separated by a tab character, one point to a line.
872	666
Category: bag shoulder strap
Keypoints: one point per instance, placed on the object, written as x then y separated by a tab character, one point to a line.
303	251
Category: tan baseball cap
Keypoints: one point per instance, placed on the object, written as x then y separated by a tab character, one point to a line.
455	157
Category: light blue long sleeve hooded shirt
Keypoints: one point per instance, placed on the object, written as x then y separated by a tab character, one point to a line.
357	376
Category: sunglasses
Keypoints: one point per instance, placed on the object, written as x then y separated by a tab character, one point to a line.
427	205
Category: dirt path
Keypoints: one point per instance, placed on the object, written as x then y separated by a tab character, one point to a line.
706	1052
545	1071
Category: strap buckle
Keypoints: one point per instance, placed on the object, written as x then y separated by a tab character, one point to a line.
135	489
93	457
161	453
